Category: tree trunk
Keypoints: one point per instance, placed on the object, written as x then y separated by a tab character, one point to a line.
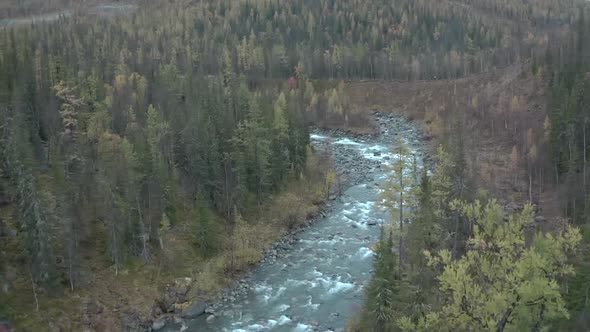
539	324
456	238
144	236
401	221
72	251
584	166
530	187
506	317
34	291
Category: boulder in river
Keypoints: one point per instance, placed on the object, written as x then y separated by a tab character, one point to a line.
195	310
158	324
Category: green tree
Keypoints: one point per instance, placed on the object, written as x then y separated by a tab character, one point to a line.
157	174
424	233
73	168
32	215
399	193
280	162
382	294
502	283
207	236
442	181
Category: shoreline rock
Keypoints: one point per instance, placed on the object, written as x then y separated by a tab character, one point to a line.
352	170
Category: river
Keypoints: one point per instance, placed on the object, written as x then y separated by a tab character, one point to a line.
103	10
317	284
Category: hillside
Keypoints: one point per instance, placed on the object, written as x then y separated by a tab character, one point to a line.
169	148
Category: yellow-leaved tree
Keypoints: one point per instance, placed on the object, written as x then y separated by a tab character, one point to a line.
507	281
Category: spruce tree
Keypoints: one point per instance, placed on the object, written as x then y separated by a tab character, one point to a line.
383	289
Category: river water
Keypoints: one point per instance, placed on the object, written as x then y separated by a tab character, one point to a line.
104	10
318	284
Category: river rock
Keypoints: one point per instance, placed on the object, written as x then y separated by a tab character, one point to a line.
195	310
183	327
131	322
352	169
175	293
158	324
540	219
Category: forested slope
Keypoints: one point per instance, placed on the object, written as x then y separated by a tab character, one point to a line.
136	145
518	134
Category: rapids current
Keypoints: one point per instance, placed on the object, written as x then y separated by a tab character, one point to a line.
317	284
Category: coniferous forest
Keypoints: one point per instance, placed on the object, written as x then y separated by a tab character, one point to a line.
173	140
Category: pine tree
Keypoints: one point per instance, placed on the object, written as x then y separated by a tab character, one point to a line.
73	169
157	174
207	230
383	289
399	194
280	144
424	233
32	215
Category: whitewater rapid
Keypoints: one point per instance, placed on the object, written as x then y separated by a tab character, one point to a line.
318	283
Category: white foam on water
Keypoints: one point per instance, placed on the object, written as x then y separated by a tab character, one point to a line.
279	293
244	318
329	242
366	207
271	323
310	304
325	282
332	241
255	327
262	288
283	320
347	141
282	307
302	328
316	273
364	253
340	287
335	285
317	137
307	283
347	212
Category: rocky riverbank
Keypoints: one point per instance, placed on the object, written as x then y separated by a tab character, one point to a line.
352	169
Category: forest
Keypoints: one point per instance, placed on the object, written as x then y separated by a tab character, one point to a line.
181	131
471	263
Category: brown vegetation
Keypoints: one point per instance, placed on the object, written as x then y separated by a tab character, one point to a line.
500	110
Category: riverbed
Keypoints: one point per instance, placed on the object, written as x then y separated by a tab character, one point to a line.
316	282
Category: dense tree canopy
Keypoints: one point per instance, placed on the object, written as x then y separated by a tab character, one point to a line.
115	130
